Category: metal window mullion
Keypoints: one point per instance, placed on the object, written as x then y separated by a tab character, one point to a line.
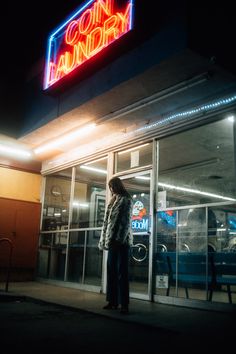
150	242
153	207
110	172
43	190
50	256
206	252
84	257
42	198
69	222
177	253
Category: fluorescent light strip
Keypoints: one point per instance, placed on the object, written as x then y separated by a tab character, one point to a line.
94	169
15	151
188	190
194	191
143	178
82	205
65	139
101	159
131	149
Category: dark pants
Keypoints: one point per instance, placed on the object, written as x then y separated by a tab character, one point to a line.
117	275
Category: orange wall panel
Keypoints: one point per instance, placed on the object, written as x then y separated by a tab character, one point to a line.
20	185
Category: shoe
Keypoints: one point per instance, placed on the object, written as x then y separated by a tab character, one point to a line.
110	307
124	310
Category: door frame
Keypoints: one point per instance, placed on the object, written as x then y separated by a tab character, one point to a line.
127	175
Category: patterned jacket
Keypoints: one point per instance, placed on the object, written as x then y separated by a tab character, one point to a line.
117	223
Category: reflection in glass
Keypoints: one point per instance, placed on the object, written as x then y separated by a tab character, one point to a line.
93	263
78	258
196	238
138	156
89	195
56	200
195	253
84	258
139	189
197	166
52	255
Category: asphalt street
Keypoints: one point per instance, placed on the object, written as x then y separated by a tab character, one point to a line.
33	326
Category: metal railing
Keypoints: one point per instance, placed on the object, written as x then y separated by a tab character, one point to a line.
4	239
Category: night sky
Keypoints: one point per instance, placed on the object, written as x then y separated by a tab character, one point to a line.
25	26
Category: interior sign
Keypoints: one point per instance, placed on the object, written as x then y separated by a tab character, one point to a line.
139	217
87	32
162	281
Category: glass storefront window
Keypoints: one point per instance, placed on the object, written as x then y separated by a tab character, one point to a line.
89	194
84	258
52	255
44	255
57	200
76	256
182	259
196	256
139	188
197	166
138	156
196	217
66	253
93	261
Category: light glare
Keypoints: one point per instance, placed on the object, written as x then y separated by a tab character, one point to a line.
65	139
94	169
15	152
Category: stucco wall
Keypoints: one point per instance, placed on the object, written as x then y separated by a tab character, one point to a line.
20	185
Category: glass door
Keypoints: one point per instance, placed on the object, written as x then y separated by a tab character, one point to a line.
138	185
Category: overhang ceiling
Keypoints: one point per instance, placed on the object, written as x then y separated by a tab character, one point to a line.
174	85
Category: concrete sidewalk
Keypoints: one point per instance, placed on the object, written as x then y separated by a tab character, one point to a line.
174	318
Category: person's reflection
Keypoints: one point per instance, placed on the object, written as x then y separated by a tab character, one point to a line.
196	225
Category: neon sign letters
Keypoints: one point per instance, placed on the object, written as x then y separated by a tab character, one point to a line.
139	217
88	31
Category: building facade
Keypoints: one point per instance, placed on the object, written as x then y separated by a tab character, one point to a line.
148	107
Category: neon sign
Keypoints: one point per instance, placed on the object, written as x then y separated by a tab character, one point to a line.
139	217
88	31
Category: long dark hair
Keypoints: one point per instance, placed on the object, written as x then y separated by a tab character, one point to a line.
117	186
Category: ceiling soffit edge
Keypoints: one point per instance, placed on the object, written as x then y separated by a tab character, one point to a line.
66	160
